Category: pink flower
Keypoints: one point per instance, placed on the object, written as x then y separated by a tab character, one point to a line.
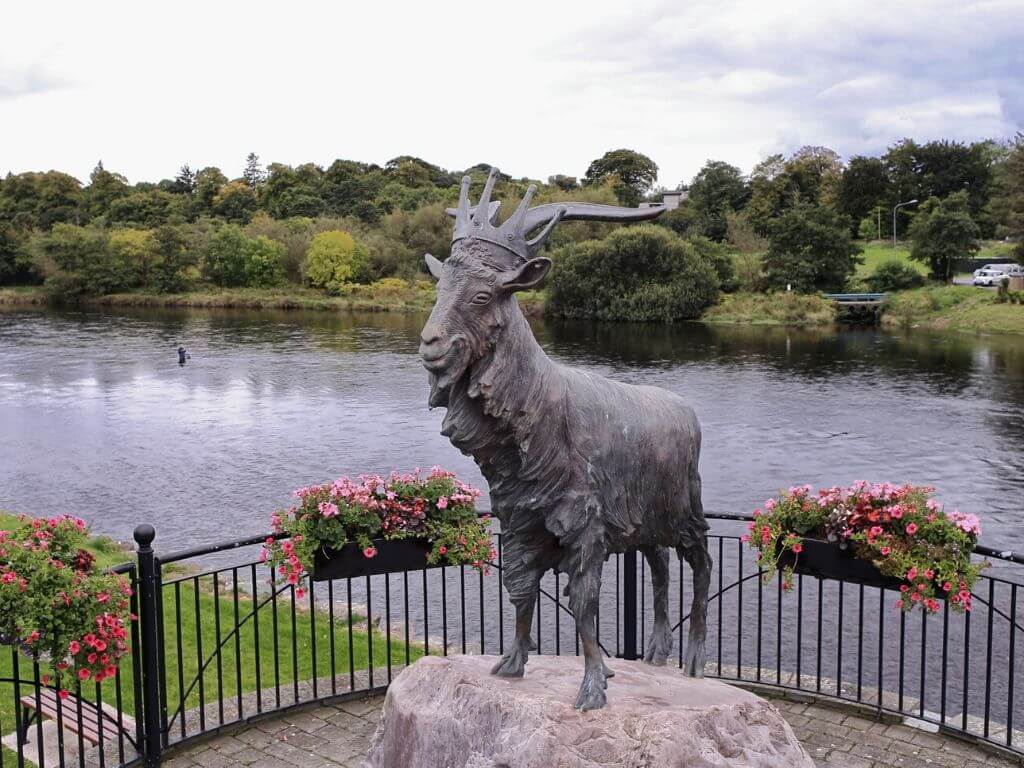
63	694
896	513
798	548
327	508
442	503
442	550
84	674
74	647
946	587
911	529
886	551
929	574
369	552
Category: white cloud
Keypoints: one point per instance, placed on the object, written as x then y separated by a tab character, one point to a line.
537	88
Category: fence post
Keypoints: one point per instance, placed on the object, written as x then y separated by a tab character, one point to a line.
148	618
629	622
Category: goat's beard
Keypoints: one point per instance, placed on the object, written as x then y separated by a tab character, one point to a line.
441	382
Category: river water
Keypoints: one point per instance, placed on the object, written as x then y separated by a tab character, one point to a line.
98	419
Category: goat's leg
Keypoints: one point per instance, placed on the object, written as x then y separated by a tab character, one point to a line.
699	558
521	584
584	594
660	645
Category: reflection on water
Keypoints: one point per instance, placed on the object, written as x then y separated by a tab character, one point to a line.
97	418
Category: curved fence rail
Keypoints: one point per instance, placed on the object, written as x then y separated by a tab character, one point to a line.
221	641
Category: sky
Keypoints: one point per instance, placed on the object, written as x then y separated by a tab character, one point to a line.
535	88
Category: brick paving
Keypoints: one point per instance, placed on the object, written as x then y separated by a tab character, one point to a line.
339	735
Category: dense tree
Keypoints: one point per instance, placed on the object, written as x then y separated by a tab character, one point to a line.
942	231
351	189
335	259
894	276
233	260
208	183
717	189
810	177
642	273
104	188
147	209
185	182
563	182
863	186
293	191
236	202
77	260
174	262
40	200
632	174
253	175
1007	206
15	261
810	249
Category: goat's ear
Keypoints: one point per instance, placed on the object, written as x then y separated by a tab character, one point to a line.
434	265
529	275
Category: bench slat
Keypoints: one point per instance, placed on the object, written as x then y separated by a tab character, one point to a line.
49	702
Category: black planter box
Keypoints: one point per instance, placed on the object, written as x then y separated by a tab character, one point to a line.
391	557
827	561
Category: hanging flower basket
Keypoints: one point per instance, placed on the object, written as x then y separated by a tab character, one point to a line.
55	605
880	535
374	525
830	560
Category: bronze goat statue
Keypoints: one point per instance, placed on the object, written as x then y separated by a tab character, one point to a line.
578	466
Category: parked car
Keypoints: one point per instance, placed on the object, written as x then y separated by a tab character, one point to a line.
990	276
1011	270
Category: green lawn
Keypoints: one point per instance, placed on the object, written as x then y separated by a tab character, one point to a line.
879	252
187	607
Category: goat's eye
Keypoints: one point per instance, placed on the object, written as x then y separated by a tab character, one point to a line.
481	298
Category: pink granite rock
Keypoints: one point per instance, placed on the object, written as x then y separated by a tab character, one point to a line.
452	713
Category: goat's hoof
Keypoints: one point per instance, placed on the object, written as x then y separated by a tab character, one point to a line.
659	646
591	695
693	659
511	665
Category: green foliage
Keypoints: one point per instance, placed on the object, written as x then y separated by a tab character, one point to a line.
335	259
15	260
76	261
642	273
894	276
943	231
717	190
631	173
235	202
232	260
172	270
863	187
810	177
810	250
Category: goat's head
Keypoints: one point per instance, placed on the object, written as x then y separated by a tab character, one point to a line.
488	264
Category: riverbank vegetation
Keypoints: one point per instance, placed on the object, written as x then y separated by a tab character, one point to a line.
352	235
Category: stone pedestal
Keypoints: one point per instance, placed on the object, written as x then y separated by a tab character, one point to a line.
452	713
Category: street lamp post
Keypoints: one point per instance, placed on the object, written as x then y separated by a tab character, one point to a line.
898	205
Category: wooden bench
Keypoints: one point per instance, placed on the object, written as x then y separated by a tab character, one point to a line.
96	725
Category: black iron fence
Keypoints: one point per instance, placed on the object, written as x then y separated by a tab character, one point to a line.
220	641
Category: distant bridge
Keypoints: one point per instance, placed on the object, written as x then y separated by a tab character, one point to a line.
858	307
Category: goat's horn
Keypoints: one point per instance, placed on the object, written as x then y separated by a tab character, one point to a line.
538	242
518	219
462	212
485	198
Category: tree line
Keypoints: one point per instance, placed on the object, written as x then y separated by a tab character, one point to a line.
792	220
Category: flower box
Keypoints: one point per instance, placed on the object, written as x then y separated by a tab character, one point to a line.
392	557
827	560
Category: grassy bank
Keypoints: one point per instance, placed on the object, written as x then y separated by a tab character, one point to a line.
205	618
771	309
388	295
955	308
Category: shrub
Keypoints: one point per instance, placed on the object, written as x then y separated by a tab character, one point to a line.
78	261
232	260
642	273
810	250
720	258
334	259
894	276
134	251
